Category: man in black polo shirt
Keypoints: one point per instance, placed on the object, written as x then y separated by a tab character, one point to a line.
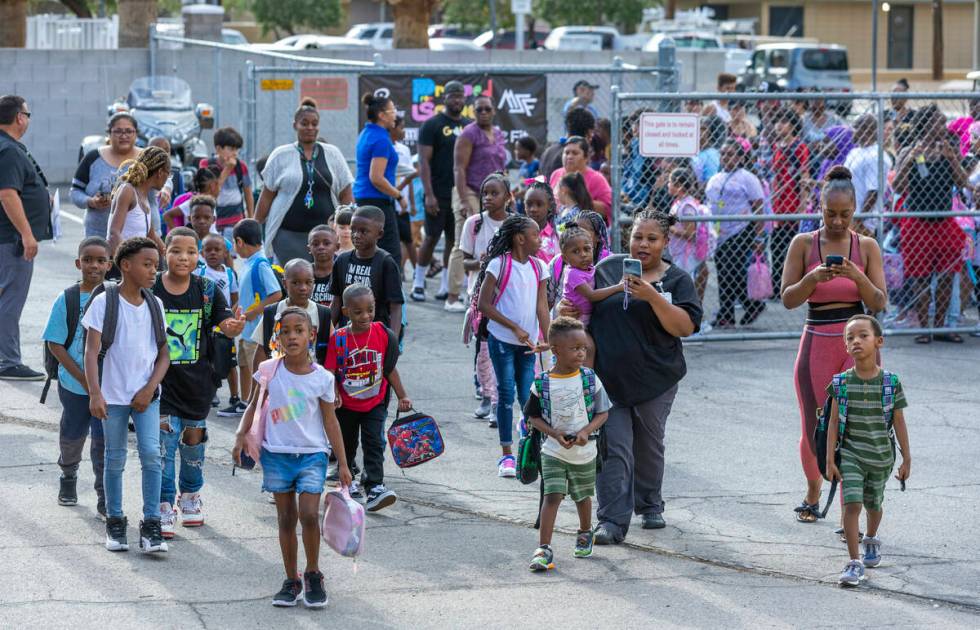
25	220
437	139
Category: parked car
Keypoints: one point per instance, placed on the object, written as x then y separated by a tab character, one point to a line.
799	67
175	29
296	43
379	35
452	43
584	38
452	30
506	40
699	40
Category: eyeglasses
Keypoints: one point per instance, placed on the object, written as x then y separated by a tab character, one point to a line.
123	132
481	110
28	114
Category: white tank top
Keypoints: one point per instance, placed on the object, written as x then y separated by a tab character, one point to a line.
137	221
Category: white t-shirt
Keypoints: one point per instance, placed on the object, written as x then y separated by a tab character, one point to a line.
311	310
863	164
404	169
294	423
476	244
569	415
129	363
518	302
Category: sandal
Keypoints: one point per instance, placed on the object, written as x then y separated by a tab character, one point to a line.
807	513
948	337
434	270
923	339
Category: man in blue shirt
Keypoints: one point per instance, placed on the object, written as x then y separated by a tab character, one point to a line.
583	92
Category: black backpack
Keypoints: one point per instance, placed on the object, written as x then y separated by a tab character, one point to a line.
73	302
111	290
269	321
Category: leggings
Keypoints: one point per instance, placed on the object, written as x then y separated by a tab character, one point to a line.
484	371
822	354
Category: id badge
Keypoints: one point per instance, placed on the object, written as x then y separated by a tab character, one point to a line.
668	296
721	204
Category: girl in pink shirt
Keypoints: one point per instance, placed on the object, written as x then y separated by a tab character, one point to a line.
539	204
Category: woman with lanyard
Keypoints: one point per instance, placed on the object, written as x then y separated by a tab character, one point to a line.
377	161
641	329
837	273
735	191
305	182
575	159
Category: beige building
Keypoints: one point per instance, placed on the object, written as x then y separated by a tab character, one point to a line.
904	30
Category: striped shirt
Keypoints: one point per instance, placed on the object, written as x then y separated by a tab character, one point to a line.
866	435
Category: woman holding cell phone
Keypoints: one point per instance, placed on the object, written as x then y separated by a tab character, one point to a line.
837	273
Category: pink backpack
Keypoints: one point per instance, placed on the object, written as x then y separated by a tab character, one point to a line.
474	323
256	433
759	280
343	523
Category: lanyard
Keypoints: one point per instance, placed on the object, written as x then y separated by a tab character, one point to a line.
308	198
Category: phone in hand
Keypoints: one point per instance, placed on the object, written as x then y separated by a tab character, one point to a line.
632	267
245	462
832	260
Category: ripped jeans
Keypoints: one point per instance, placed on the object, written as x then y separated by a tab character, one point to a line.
191	457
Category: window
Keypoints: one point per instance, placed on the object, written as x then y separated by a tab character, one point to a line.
386	33
835	60
778	59
367	33
786	21
758	61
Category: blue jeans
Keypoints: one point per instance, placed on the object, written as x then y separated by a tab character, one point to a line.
513	366
148	444
191	457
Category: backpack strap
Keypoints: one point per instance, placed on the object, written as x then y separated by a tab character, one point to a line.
377	266
111	318
391	351
322	333
269	326
840	394
156	316
73	308
544	383
343	351
506	266
588	390
888	384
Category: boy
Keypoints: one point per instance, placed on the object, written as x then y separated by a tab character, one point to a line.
322	244
235	198
867	452
193	307
362	356
202	222
568	405
341	223
524	151
299	287
214	250
370	266
259	288
76	420
126	384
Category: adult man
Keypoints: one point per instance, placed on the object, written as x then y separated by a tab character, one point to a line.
25	220
583	92
578	122
863	164
437	139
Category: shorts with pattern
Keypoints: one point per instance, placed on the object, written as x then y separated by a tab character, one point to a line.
862	483
575	480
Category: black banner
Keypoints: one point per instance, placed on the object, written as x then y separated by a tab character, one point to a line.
520	99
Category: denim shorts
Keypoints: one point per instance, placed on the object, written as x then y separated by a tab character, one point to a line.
293	472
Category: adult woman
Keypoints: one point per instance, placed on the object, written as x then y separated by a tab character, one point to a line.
575	159
833	293
662	308
735	191
305	182
927	174
130	213
479	151
95	177
377	161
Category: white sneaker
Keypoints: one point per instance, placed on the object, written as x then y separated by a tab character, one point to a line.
454	307
168	520
191	510
507	466
270	497
355	490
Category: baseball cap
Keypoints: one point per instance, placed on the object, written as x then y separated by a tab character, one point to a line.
582	82
454	86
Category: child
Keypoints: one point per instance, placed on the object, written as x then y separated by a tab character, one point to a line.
235	200
205	183
362	357
341	222
570	418
298	421
573	197
76	419
867	452
594	225
214	249
323	245
259	288
405	174
690	241
193	307
524	150
202	222
539	204
515	320
298	276
131	373
370	266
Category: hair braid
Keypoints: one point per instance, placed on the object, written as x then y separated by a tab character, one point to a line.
149	162
540	184
599	227
502	243
496	176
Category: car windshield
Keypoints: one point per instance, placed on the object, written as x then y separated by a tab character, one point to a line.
834	60
160	93
685	41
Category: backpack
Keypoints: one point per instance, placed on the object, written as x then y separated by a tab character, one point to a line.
888	383
111	290
414	439
270	322
73	301
343	523
256	432
255	283
475	322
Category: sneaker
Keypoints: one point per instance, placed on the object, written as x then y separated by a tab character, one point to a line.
355	490
289	594
602	536
100	509
235	408
151	538
333	474
379	498
543	559
477	390
270	497
442	295
22	373
653	521
168	520
583	544
872	551
67	493
853	574
313	594
507	467
215	402
484	409
191	510
115	534
492	422
418	294
454	307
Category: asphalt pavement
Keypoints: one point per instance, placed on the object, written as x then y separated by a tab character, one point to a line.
453	551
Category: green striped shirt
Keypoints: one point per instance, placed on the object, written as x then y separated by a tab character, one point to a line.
865	433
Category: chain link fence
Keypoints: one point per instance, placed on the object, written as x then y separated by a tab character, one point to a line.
745	173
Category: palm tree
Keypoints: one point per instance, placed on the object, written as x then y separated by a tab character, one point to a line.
411	22
13	23
937	40
135	18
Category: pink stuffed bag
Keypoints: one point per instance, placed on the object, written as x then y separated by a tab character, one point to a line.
343	523
256	433
759	280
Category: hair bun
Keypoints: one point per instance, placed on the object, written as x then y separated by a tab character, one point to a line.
839	172
368	99
308	101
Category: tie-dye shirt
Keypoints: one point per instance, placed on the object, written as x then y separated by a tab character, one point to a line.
294	423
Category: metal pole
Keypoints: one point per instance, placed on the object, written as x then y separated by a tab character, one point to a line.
519	31
874	45
616	170
880	197
217	87
250	107
153	50
493	23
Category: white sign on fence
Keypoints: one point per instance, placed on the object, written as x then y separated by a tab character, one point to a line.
520	6
669	135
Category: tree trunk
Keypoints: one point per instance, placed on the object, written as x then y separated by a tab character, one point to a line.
411	22
670	9
937	40
78	7
13	23
135	17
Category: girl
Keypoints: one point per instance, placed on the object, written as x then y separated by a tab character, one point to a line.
690	242
297	417
206	182
539	204
573	197
130	213
517	315
595	226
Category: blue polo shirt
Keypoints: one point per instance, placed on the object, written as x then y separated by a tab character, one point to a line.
374	142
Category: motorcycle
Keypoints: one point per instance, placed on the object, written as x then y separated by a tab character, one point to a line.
162	107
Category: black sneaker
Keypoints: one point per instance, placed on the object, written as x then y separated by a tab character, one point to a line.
234	409
115	533
20	373
333	474
100	509
151	536
418	294
313	595
442	295
289	594
67	494
379	498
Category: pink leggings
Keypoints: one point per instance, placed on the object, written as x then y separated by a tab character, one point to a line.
484	372
822	354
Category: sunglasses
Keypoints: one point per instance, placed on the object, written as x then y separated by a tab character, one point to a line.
28	114
483	109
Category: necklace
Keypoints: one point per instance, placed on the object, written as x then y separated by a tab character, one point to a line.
308	198
367	342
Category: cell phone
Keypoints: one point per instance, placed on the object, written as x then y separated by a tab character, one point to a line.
245	462
632	267
832	260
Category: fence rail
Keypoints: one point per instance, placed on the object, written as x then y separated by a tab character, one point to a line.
58	32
